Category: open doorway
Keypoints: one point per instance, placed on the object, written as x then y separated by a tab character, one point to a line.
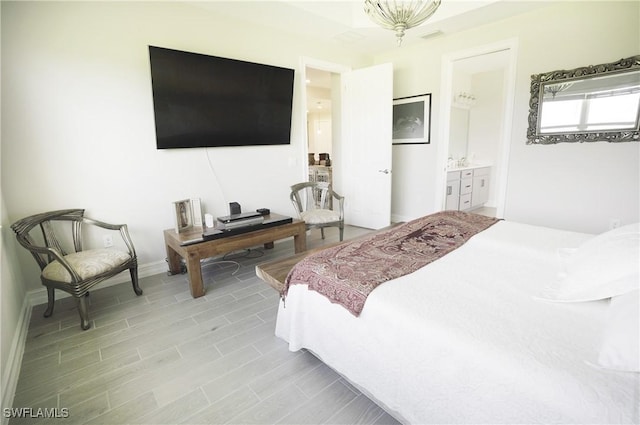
478	87
360	155
319	124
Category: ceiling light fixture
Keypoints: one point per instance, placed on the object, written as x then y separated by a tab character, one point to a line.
554	89
399	16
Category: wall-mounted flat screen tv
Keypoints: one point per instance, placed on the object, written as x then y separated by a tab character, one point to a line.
206	101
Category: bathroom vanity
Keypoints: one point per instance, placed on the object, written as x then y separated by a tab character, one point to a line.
467	187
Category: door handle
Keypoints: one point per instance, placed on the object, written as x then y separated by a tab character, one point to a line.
385	171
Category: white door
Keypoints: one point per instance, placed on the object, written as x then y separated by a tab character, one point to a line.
365	157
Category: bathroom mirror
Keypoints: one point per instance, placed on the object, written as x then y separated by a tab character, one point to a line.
459	136
588	104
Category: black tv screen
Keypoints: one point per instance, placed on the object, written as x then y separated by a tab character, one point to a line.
205	101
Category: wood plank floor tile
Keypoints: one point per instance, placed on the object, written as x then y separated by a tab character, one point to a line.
321	407
216	330
245	338
89	409
177	410
284	376
270	410
34	376
222	410
127	413
317	380
163	374
165	358
67	338
114	378
26	395
233	379
203	376
359	411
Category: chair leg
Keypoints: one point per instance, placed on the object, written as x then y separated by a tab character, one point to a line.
341	233
81	302
51	299
134	280
322	232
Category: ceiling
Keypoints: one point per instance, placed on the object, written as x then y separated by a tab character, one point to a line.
345	22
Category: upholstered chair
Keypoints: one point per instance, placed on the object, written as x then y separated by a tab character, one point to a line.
313	202
55	239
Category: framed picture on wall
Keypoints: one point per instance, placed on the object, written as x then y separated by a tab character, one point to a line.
412	120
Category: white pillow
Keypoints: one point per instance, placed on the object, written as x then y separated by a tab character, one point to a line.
604	266
621	340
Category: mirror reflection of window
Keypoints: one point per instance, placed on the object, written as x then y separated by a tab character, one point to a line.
560	117
595	104
613	112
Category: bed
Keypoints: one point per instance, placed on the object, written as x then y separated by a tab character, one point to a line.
512	326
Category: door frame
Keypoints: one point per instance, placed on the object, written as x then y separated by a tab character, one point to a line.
511	45
334	68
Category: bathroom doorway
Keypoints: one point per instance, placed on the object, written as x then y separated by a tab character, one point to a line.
478	87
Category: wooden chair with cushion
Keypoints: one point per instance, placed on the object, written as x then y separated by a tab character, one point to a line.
55	239
312	201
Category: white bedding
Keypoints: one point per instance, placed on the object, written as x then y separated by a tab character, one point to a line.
464	340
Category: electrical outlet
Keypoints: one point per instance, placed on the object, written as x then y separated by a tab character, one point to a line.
108	241
614	223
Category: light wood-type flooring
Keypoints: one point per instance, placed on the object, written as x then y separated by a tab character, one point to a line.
166	358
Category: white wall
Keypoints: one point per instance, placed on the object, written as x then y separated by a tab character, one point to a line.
14	311
571	186
78	126
78	129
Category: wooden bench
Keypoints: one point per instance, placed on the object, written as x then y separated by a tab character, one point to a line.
275	272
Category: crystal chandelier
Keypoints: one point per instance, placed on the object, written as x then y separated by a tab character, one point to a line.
400	15
554	89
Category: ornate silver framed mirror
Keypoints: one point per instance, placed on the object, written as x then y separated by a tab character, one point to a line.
588	104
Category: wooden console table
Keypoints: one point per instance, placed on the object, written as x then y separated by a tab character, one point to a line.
192	247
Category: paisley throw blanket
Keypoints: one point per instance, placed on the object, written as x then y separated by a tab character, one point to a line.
346	274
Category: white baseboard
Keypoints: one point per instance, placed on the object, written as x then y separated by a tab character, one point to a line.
396	218
14	362
39	296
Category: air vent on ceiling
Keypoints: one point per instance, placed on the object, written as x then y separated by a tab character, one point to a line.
431	34
349	37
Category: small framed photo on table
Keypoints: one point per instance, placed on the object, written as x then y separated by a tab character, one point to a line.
183	215
412	120
196	212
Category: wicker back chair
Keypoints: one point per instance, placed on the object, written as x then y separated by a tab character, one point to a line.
71	268
312	201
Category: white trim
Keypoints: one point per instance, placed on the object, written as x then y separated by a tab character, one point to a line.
14	362
396	218
505	149
446	95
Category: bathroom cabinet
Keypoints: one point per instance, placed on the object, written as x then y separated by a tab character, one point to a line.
467	188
